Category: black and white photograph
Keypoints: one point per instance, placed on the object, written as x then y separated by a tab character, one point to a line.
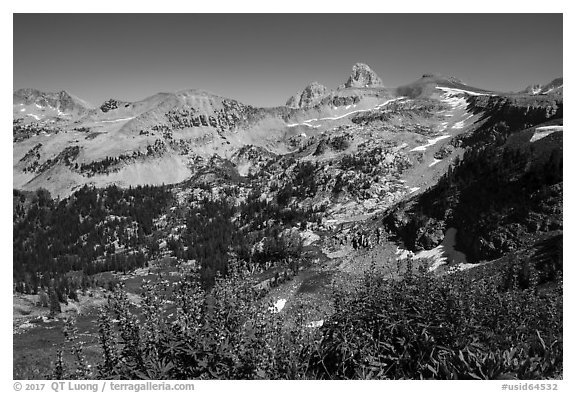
286	196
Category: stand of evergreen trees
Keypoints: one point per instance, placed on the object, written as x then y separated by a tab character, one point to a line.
492	196
81	232
219	232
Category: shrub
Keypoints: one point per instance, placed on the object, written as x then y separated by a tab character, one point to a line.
417	326
454	327
183	331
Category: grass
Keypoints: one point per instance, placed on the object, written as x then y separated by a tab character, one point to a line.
34	350
315	282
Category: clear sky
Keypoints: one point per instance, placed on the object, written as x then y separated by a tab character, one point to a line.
262	59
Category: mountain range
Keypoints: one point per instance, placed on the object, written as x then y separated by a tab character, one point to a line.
61	142
428	217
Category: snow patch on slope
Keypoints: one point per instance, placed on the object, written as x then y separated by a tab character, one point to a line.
461	124
113	121
553	88
306	122
278	306
458	125
453	91
431	142
440	255
542	132
308	237
315	324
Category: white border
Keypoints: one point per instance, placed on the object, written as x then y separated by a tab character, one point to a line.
66	6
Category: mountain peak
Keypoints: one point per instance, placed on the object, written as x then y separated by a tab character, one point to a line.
61	99
310	96
27	93
363	76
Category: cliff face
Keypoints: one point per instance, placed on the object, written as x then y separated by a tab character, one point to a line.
310	96
493	201
363	76
504	115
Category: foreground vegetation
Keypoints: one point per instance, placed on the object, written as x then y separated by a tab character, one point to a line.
501	325
234	238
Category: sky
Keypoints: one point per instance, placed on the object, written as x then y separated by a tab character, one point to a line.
263	59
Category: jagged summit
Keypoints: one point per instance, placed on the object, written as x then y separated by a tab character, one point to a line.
310	96
363	76
61	101
29	95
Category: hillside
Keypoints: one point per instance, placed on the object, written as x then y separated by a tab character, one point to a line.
363	232
134	143
508	183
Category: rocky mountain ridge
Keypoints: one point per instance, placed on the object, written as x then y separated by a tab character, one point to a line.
158	139
53	104
505	188
362	76
436	185
310	96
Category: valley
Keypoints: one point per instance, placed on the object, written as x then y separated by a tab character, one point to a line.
327	238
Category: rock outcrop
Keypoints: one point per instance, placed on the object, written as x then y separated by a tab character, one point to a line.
109	105
310	96
363	76
61	100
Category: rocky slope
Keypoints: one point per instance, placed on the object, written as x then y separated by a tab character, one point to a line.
165	138
505	188
435	175
363	76
60	143
32	104
555	86
310	96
